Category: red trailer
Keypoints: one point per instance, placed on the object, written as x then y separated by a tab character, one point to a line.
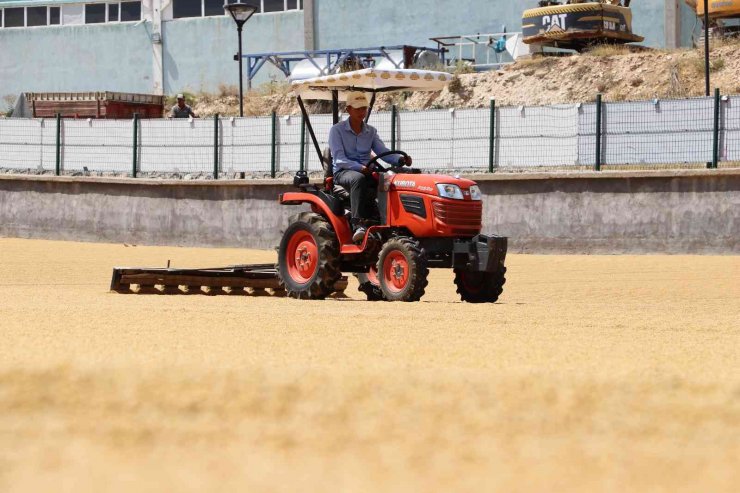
94	104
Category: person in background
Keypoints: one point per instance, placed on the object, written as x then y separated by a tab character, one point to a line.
182	110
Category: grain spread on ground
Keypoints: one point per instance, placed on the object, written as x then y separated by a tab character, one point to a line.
593	373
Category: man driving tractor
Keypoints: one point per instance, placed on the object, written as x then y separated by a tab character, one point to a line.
351	142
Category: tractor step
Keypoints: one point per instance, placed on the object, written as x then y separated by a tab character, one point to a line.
239	280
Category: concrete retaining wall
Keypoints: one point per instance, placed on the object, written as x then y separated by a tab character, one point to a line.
609	212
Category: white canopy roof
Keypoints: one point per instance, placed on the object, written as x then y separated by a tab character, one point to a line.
371	80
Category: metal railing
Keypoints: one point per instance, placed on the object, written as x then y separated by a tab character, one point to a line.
599	135
483	51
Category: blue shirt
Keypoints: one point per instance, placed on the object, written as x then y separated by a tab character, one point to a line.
352	151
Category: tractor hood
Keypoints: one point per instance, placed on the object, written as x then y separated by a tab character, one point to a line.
430	184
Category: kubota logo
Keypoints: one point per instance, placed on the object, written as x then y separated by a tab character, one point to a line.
405	184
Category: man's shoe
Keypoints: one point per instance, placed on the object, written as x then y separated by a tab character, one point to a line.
359	234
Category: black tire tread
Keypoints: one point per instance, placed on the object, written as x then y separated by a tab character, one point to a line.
493	286
329	271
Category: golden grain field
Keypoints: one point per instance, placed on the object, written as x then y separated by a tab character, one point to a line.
592	373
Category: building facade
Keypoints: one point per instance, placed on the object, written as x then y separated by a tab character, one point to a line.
169	46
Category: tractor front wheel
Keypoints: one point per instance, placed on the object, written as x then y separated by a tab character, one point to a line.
402	270
480	287
308	257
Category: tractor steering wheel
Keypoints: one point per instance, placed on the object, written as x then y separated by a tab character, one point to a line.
374	165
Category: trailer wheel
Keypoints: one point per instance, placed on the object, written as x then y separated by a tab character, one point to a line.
480	287
308	257
402	270
370	284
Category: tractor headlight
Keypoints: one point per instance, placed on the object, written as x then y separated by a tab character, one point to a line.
449	191
475	193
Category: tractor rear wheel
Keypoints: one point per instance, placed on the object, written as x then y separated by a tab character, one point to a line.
480	287
308	257
370	284
402	270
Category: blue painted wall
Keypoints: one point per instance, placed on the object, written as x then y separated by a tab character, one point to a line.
115	57
198	53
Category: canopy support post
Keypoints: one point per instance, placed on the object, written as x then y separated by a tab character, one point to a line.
310	129
335	106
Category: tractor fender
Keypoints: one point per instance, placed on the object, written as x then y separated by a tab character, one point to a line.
339	223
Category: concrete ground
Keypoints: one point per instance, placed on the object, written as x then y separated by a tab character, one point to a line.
592	373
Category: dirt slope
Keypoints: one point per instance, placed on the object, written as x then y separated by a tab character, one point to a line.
617	73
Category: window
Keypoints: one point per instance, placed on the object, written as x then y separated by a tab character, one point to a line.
273	5
254	3
73	14
213	7
91	13
186	8
130	11
54	16
205	8
36	16
14	17
94	13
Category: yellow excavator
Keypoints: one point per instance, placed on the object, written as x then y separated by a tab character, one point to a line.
724	16
578	24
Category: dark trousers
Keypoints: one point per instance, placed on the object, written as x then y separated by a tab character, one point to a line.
357	185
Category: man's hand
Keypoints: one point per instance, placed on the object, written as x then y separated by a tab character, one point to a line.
365	171
405	161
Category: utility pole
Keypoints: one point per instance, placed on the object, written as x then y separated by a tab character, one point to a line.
706	46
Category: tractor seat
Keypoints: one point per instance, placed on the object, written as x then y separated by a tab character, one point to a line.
327	162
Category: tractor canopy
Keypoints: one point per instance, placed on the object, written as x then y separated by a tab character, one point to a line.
370	80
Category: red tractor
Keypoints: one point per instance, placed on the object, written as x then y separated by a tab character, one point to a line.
421	221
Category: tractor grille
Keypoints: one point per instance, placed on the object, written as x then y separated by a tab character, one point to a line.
465	215
413	204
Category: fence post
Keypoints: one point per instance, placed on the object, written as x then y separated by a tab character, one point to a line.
715	132
215	146
273	156
302	164
491	135
58	167
597	165
394	118
136	145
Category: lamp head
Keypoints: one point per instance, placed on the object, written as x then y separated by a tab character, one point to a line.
240	12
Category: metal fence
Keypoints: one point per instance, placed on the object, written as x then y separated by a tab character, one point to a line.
696	132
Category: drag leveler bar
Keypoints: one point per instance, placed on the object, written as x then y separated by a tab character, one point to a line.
252	280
